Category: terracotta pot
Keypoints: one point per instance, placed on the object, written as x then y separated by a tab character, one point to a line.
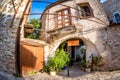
29	31
53	73
29	26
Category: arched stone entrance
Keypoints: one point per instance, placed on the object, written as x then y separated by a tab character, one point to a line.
89	46
76	49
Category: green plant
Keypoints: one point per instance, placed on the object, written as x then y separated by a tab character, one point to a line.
88	64
83	63
97	60
35	22
32	73
59	60
83	50
46	68
16	75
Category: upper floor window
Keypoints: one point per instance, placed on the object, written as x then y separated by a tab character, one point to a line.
86	10
116	16
63	18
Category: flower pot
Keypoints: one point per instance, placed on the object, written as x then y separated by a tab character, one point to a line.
30	31
88	70
28	26
53	73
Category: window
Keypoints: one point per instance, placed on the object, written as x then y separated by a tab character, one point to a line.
116	17
86	11
63	18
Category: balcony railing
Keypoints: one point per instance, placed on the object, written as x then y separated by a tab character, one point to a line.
60	19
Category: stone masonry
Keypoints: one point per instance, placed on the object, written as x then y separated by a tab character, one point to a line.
111	7
96	34
98	38
8	32
90	30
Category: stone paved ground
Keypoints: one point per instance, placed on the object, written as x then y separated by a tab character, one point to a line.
75	74
113	75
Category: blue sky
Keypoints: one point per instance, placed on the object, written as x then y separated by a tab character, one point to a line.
103	1
38	7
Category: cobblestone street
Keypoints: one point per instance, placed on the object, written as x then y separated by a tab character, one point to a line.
113	75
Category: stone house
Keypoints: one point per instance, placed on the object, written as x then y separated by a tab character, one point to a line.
63	21
77	20
112	9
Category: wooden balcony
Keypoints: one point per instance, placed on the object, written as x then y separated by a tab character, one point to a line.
63	22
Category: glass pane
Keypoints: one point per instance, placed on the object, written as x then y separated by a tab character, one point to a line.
117	17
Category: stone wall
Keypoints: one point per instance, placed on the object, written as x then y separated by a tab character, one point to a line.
104	41
90	30
113	42
8	33
110	7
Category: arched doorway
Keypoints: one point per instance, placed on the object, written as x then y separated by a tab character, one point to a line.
76	49
88	46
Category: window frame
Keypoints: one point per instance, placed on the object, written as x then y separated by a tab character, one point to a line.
114	18
90	9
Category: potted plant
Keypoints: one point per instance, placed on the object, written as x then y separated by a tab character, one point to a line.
52	71
52	66
58	61
88	66
97	62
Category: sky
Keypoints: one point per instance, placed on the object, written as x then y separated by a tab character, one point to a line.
103	1
38	7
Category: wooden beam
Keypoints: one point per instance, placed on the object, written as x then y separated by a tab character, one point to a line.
14	6
15	15
67	15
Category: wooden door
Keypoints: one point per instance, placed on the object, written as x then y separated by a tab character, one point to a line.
31	58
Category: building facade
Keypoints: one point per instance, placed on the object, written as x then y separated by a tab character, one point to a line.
82	20
112	9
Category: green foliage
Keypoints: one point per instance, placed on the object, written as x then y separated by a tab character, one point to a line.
88	64
83	63
60	59
32	36
35	22
37	25
97	60
16	75
32	73
83	50
46	68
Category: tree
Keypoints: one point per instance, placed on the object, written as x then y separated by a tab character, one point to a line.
35	22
